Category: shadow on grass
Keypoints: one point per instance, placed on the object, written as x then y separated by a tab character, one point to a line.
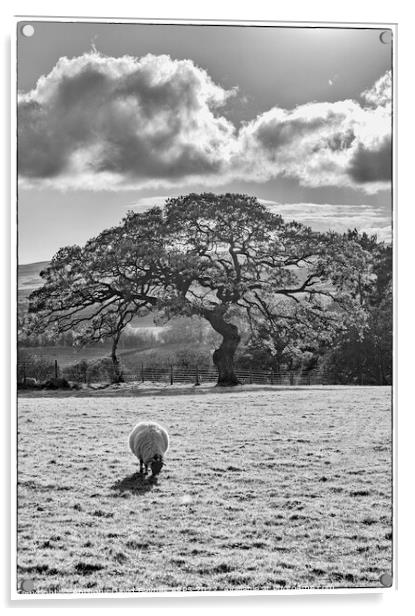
136	484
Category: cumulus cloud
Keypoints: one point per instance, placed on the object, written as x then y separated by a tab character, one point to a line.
380	94
372	165
320	144
114	121
108	123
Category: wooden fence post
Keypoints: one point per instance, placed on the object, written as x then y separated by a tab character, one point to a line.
250	376
56	368
142	373
24	374
171	374
197	382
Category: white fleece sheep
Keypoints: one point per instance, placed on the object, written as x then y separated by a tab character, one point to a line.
149	442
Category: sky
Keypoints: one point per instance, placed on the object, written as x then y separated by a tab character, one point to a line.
113	117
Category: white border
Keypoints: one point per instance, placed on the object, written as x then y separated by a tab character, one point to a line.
15	596
13	328
208	22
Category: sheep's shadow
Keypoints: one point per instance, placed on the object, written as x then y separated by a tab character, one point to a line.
136	484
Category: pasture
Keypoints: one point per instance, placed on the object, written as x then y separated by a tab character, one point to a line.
262	490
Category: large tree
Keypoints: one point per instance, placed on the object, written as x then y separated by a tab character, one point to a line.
221	257
230	256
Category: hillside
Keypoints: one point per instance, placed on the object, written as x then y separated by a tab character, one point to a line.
28	279
29	275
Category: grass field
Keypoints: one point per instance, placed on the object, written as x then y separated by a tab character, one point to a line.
261	490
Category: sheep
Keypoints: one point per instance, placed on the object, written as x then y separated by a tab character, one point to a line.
149	442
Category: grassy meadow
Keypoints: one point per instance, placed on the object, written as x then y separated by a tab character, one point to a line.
262	490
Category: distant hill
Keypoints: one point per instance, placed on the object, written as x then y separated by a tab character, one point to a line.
29	275
28	279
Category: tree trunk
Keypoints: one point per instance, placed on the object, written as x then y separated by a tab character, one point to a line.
117	376
224	355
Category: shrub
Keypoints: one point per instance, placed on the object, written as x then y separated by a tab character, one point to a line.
34	366
59	383
77	372
101	370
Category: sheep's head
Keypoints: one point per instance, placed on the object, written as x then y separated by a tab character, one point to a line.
156	464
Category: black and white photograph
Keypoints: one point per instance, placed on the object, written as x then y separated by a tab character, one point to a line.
205	291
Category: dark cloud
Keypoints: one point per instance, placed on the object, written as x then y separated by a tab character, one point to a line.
276	133
314	143
41	154
341	141
139	119
372	165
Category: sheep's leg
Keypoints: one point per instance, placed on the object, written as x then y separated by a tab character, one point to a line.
141	466
146	468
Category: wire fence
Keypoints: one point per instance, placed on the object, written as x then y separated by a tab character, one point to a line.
198	376
29	374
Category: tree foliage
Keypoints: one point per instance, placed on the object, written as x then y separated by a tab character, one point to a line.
224	258
96	290
365	356
229	256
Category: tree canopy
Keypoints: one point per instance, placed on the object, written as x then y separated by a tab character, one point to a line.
221	257
364	355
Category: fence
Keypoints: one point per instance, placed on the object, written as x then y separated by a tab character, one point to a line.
171	375
39	371
197	376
